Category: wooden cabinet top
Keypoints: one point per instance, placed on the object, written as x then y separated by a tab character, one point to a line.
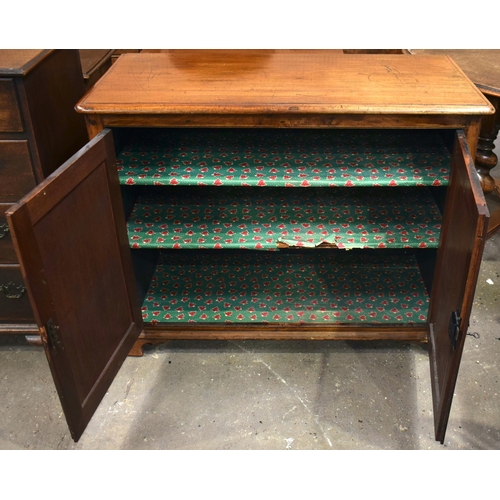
20	61
285	82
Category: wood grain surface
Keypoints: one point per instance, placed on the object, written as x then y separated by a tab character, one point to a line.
19	61
283	81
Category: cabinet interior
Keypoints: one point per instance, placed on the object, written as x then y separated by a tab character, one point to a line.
284	227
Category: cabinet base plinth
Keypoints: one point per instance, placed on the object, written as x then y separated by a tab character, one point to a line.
137	349
158	334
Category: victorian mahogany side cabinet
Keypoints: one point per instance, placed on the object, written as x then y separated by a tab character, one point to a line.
258	195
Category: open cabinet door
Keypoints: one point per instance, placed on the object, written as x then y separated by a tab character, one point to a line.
71	241
459	257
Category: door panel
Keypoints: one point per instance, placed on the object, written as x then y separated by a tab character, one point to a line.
459	257
70	237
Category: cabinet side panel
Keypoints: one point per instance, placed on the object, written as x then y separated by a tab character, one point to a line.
52	90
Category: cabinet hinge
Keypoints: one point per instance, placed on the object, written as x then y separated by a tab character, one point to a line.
454	328
53	334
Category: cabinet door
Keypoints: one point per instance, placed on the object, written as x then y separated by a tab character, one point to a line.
462	241
70	237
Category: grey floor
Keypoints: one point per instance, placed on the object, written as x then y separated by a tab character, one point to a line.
242	395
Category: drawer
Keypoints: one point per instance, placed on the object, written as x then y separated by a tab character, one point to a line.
7	252
16	173
14	302
10	117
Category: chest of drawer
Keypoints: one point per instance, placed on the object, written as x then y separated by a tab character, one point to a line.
14	301
7	252
10	117
16	173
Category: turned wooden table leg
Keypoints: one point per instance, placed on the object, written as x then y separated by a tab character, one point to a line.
486	159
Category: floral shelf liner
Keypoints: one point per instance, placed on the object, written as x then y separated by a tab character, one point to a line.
284	158
274	218
258	287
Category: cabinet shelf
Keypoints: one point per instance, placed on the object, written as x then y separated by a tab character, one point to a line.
192	218
283	158
283	287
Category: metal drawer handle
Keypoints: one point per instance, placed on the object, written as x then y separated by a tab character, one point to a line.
10	288
4	229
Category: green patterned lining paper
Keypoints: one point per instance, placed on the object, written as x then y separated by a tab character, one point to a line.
248	218
284	158
277	287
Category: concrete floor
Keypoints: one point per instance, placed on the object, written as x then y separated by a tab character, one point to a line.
268	395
